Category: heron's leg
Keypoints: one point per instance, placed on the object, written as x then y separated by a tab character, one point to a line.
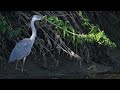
23	63
16	64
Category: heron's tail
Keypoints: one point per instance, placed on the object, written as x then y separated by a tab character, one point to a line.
10	60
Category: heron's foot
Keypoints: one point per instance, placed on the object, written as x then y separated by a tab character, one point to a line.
23	70
20	69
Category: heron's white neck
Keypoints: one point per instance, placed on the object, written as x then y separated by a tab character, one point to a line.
32	38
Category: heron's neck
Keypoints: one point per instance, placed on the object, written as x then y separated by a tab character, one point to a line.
32	38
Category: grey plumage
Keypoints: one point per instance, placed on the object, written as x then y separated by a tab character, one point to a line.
23	48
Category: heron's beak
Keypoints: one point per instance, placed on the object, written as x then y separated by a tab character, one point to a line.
43	17
43	20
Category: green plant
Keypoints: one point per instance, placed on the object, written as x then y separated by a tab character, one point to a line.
67	31
96	34
6	29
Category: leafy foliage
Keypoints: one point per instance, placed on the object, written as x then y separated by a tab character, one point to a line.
7	29
94	35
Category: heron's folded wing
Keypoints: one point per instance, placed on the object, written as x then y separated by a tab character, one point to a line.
23	43
22	49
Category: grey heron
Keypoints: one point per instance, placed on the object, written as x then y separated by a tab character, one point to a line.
23	48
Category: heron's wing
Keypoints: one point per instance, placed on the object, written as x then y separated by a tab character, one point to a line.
22	49
23	43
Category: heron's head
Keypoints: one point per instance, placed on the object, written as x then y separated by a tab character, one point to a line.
36	17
